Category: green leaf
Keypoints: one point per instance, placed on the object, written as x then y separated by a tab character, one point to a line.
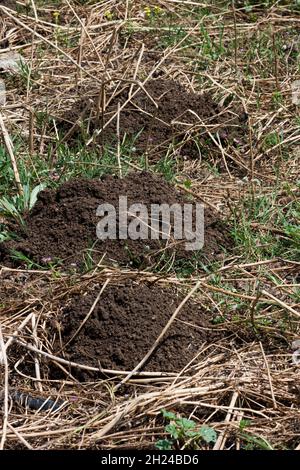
173	430
6	206
257	442
168	415
187	184
34	194
208	434
186	423
164	444
244	423
23	201
193	434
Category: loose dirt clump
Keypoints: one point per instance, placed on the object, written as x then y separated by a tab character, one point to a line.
126	322
61	227
182	119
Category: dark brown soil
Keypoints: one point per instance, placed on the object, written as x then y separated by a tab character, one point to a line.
12	4
126	322
151	129
62	225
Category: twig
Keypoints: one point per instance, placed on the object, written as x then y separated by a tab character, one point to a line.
21	438
90	368
119	142
36	360
254	304
157	341
269	374
198	196
15	334
9	148
220	443
89	313
5	410
275	59
31	133
282	304
235	34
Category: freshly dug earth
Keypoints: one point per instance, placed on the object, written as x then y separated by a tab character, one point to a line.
179	113
126	322
61	227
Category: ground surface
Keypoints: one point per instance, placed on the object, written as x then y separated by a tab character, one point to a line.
164	102
61	227
175	109
125	324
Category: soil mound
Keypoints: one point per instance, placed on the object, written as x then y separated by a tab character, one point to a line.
61	227
126	322
154	129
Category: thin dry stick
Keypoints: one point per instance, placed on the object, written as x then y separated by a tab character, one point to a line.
235	34
31	136
269	375
220	443
111	424
92	369
238	418
34	9
232	294
89	313
101	106
148	138
5	408
126	10
157	341
198	196
279	302
254	304
21	438
30	66
137	68
16	332
252	161
119	142
9	147
275	59
79	56
38	383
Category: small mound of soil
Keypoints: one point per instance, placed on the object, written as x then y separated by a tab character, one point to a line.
62	224
125	323
151	129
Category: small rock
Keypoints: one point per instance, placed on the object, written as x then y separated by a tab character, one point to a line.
2	93
10	62
296	357
296	344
